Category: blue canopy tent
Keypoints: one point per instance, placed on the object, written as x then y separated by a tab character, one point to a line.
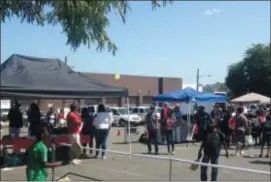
189	95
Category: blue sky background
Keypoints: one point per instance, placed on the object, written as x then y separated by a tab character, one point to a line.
172	41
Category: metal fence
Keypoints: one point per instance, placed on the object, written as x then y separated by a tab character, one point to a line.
171	159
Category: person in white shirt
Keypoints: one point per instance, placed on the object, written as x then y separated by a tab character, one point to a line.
102	124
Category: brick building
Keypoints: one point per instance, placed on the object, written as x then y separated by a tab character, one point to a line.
141	89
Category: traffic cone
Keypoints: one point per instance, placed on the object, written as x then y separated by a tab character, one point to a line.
118	134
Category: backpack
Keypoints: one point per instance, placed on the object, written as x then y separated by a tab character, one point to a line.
212	143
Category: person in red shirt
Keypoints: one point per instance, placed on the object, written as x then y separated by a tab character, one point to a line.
74	129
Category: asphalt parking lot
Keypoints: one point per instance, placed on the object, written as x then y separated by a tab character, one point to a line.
120	167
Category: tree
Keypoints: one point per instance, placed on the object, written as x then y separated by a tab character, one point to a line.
83	21
253	73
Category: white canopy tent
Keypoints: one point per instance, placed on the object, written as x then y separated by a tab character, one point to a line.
252	98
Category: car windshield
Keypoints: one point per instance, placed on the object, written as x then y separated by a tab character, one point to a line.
124	111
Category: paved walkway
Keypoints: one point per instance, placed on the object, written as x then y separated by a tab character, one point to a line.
117	167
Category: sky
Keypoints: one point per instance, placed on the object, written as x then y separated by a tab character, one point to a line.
173	41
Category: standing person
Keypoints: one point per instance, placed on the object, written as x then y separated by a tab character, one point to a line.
179	122
224	126
37	157
61	118
86	128
34	119
152	130
74	129
164	114
202	119
241	130
258	126
266	137
51	117
213	139
217	113
15	118
102	123
169	132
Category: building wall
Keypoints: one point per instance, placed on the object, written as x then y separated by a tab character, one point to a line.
141	90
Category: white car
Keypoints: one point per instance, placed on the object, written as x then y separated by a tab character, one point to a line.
142	111
122	116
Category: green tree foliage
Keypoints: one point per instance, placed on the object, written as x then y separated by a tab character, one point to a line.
253	73
83	21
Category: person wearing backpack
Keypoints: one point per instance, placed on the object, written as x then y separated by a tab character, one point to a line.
213	139
266	136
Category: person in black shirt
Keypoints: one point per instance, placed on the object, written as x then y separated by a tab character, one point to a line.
211	146
34	118
15	118
202	119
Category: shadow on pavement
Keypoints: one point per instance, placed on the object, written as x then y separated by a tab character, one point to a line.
261	162
124	143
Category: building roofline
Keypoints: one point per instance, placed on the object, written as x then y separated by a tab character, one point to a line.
149	76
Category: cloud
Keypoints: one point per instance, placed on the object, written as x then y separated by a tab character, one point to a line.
211	12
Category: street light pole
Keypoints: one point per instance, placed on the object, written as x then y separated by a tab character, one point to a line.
197	79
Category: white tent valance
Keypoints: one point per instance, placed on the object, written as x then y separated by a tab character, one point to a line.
252	98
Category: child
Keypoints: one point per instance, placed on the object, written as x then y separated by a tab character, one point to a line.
37	157
211	146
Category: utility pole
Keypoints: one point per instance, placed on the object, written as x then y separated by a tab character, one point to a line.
197	79
66	60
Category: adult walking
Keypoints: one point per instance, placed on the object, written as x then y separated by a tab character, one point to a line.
152	129
102	123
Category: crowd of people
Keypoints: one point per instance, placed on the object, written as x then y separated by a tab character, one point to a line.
221	127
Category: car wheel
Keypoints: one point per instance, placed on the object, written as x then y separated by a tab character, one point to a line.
122	123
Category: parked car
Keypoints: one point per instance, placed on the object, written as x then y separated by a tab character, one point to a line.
142	111
122	116
4	114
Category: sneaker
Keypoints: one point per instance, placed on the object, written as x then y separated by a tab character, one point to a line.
267	156
242	152
103	157
172	153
